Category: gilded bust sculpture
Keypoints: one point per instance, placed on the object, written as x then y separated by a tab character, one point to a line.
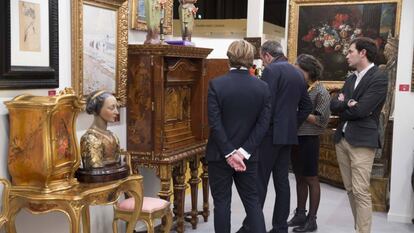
100	149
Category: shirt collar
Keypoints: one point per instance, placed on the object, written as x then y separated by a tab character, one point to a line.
241	68
364	71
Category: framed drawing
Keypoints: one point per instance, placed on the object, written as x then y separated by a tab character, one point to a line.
137	16
29	44
100	46
324	29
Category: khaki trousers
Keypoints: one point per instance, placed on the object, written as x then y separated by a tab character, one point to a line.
355	164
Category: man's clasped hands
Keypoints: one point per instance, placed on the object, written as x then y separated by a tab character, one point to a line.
235	160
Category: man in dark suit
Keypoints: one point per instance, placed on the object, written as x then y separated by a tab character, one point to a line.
238	117
359	105
291	105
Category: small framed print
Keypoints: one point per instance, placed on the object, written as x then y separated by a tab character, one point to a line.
138	16
29	51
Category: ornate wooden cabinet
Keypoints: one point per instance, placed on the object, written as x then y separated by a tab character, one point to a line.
165	116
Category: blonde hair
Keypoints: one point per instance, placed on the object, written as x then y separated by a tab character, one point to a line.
240	53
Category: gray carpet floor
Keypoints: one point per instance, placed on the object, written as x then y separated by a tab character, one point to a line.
334	215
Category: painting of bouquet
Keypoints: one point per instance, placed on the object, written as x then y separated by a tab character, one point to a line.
326	32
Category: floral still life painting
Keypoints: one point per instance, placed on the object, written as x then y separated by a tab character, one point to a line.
326	32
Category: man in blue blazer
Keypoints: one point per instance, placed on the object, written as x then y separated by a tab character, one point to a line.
238	117
291	105
357	137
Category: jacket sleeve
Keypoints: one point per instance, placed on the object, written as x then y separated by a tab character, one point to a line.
338	106
261	127
217	132
373	96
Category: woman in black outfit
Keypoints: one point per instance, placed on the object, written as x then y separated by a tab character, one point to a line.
305	157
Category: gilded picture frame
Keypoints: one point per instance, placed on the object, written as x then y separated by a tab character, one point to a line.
29	44
324	29
100	47
137	16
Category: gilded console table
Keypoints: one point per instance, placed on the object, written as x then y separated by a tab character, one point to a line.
75	202
165	119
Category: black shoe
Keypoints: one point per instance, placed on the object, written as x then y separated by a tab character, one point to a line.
276	231
243	229
298	219
310	225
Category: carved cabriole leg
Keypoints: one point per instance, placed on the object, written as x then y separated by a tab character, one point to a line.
194	181
168	222
115	226
86	219
179	193
74	211
134	188
204	177
165	174
14	207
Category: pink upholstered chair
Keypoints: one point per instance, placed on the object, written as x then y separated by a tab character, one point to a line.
152	208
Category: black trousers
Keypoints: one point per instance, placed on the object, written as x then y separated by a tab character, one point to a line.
274	160
221	177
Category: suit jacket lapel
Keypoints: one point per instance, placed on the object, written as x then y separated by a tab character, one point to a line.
349	89
364	82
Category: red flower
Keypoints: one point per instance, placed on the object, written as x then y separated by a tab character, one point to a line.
339	20
309	37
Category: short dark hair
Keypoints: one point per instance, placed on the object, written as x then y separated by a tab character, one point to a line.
240	53
368	44
311	65
95	101
272	47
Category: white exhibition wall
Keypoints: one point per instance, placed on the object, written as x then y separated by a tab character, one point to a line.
402	198
101	216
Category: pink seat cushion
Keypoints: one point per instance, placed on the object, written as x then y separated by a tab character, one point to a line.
149	205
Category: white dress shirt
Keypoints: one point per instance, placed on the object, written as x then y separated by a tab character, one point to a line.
359	76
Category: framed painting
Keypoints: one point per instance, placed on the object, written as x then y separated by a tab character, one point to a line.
138	18
324	29
29	44
100	47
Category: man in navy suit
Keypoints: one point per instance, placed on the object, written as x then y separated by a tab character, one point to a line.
291	105
357	137
238	117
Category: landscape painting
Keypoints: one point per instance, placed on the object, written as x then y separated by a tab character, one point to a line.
99	49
